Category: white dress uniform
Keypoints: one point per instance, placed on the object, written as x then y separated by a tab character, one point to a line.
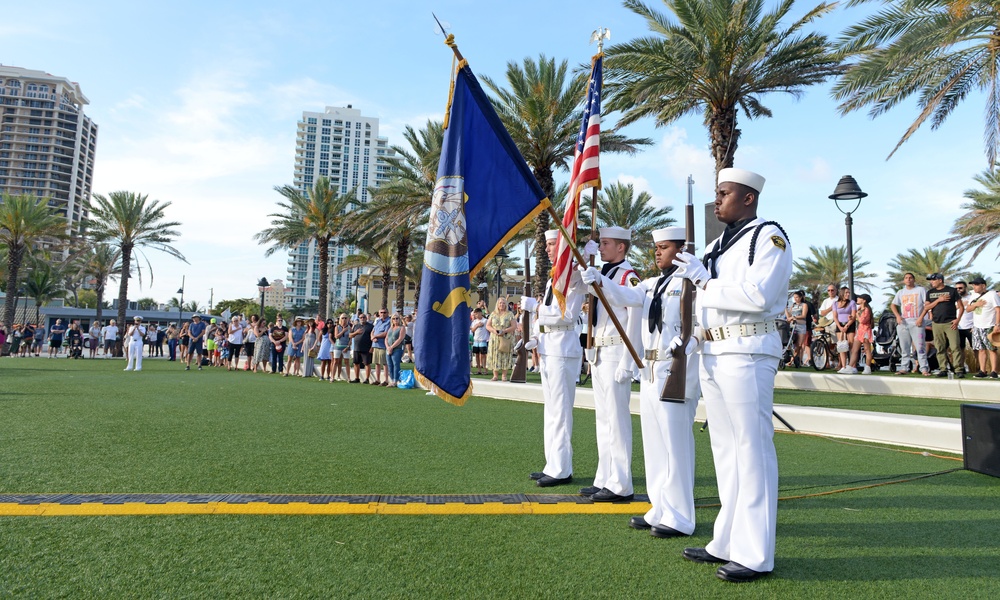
136	335
667	427
611	399
559	354
740	357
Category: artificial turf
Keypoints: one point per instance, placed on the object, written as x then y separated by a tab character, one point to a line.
84	426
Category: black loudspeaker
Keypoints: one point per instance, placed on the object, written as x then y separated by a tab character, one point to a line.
981	438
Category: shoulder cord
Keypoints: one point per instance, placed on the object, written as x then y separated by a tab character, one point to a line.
756	231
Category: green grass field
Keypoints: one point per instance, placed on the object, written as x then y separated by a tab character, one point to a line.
84	426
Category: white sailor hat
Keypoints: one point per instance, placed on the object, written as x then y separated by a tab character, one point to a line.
742	176
616	233
669	234
552	234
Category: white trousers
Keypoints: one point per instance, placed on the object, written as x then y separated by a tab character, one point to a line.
668	446
614	426
739	396
910	337
559	375
134	355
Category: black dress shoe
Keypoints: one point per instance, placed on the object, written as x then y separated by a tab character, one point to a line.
700	555
638	523
589	491
662	531
607	495
546	481
737	573
536	475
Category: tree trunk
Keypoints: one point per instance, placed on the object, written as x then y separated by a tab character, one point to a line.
100	301
14	255
724	136
323	245
542	265
402	256
123	298
386	279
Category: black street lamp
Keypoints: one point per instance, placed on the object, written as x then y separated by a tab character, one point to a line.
848	189
498	259
262	286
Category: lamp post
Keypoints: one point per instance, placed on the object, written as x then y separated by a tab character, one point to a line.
262	286
180	307
498	258
484	293
848	189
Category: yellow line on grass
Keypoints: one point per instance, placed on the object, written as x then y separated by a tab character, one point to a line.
305	508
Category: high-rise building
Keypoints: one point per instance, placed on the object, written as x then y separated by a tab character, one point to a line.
274	295
343	145
47	144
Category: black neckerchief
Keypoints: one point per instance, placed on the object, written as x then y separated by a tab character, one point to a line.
655	316
548	293
607	270
732	234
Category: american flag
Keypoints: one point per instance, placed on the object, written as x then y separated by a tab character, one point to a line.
586	173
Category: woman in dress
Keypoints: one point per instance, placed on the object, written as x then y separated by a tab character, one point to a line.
325	345
499	353
250	341
184	337
310	349
394	347
341	349
845	310
262	349
797	316
863	337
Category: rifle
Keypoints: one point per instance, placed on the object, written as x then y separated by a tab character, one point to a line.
676	383
520	372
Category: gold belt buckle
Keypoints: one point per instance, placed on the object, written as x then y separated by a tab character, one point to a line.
650	354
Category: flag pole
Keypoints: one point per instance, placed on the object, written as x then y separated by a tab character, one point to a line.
596	288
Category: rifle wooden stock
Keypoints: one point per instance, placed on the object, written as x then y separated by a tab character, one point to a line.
675	386
520	372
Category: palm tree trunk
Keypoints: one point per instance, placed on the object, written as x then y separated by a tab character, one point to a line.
123	298
542	265
386	279
402	256
323	245
100	301
724	136
14	255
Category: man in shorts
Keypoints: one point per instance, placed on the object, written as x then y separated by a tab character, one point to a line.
196	344
985	309
56	338
379	330
39	339
361	342
110	333
480	340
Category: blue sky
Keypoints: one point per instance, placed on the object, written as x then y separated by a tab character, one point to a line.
197	104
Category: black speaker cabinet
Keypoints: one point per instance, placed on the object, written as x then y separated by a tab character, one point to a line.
981	438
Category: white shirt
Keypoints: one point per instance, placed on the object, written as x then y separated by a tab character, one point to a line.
236	334
480	335
110	333
966	321
985	316
910	302
138	332
745	293
565	344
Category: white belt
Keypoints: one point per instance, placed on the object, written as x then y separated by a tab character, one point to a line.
715	334
607	340
552	328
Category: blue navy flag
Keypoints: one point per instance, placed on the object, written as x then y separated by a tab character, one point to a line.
485	194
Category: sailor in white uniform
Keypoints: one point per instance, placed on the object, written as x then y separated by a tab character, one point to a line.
134	338
743	287
613	370
555	335
667	427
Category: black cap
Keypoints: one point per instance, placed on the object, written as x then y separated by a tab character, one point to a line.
935	276
978	280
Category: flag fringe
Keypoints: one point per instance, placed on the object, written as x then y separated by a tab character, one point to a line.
544	204
433	387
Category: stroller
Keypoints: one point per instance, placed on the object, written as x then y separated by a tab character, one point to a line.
787	342
885	349
75	348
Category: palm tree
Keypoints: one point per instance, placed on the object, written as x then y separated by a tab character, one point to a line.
941	50
715	57
541	110
131	222
315	216
24	221
373	254
619	206
102	262
980	227
827	265
923	262
43	285
400	206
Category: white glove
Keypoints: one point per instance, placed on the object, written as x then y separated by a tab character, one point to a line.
590	249
590	275
623	375
591	354
647	371
689	267
517	346
531	344
676	343
528	303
